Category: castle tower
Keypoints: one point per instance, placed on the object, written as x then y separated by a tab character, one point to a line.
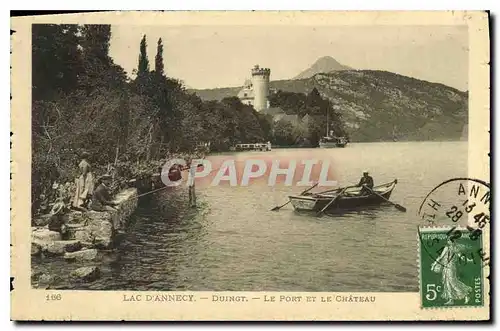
260	82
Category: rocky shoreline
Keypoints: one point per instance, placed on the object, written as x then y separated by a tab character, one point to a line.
85	235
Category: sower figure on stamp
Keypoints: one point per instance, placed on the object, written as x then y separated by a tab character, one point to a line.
366	183
84	184
446	264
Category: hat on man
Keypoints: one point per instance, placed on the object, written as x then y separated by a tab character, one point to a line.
365	172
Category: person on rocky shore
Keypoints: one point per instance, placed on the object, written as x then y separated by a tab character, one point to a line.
84	184
101	198
102	201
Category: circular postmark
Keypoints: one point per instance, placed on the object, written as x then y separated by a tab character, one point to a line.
456	213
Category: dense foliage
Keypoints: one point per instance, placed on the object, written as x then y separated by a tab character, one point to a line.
83	101
313	112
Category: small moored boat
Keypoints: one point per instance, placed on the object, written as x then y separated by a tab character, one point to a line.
332	142
348	200
263	147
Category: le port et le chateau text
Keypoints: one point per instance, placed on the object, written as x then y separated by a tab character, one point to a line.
344	298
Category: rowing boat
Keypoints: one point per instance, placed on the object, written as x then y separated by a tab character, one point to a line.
350	199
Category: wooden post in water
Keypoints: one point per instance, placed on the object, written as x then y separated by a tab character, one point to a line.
191	186
192	196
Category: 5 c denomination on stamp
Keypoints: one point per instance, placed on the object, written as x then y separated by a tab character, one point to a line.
455	215
451	273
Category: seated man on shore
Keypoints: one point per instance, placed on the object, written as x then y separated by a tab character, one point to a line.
101	198
56	222
366	183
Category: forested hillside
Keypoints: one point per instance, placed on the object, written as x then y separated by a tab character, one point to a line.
383	106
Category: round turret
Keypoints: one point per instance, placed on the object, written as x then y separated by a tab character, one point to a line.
257	71
260	80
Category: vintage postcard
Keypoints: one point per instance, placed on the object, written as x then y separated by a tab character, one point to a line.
246	166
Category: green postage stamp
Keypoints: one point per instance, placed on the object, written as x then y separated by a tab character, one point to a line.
451	267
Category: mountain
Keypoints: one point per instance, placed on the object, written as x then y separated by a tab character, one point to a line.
382	106
324	64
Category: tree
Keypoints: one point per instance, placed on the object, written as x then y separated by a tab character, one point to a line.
56	59
315	104
292	103
336	122
284	133
159	59
314	99
143	67
99	71
96	38
265	122
316	129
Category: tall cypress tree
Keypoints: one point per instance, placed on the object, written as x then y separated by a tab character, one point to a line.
143	68
159	58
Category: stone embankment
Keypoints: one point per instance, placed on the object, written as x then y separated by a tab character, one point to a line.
83	235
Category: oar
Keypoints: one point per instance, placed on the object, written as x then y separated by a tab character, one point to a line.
332	201
398	207
286	203
304	192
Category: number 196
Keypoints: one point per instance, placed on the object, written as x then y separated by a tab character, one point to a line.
53	297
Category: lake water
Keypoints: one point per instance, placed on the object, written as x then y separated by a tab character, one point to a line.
232	241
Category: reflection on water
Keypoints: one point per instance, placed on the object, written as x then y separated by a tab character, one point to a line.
232	241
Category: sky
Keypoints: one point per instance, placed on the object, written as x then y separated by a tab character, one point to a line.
222	56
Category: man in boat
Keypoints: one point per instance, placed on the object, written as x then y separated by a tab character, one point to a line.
366	183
